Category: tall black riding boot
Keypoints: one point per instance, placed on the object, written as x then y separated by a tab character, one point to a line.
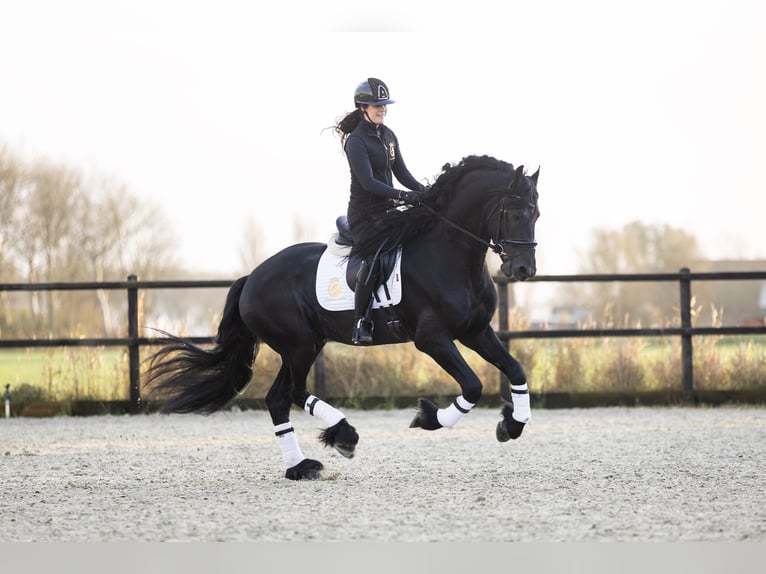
365	285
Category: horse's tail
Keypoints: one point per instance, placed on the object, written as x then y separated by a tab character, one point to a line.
188	378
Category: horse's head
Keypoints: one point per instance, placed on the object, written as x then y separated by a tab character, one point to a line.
512	225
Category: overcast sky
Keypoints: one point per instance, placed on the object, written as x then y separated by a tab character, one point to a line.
650	111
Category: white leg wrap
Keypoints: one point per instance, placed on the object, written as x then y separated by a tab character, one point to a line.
450	416
318	408
288	443
521	411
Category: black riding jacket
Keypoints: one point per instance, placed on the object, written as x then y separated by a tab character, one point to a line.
374	157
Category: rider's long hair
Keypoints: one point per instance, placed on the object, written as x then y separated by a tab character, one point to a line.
347	124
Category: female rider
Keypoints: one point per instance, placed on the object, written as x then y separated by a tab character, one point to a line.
374	157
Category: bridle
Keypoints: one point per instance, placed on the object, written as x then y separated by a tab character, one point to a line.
498	247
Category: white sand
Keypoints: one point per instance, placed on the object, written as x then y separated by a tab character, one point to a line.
611	474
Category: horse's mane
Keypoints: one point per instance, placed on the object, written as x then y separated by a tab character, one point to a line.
399	225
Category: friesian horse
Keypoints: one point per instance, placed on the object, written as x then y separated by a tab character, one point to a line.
448	294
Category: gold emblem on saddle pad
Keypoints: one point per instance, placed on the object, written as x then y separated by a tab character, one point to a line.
334	289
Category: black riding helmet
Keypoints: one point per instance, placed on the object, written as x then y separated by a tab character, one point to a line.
373	91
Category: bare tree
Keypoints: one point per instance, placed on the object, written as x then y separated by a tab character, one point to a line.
251	249
56	226
47	195
636	248
117	234
9	183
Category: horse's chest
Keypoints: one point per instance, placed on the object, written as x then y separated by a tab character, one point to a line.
468	307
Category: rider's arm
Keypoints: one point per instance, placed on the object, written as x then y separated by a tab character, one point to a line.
359	160
403	174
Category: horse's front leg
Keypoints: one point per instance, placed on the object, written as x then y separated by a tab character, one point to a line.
516	412
446	354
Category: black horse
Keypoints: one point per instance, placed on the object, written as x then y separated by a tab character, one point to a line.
448	294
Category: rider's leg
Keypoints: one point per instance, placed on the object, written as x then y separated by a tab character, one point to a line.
366	281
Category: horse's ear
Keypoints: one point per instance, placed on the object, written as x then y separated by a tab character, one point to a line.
534	175
515	178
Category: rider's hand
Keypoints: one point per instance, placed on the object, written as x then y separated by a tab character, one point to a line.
412	197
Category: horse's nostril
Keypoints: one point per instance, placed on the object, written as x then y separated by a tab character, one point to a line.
522	273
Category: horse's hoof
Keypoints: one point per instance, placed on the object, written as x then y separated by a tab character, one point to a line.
505	431
508	428
307	468
342	437
426	416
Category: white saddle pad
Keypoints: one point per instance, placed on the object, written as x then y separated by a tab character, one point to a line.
332	290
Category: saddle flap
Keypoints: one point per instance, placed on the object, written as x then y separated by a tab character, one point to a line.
385	263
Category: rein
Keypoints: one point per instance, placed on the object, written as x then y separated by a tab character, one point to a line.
498	248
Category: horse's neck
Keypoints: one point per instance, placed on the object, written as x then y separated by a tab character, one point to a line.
465	252
466	217
467	207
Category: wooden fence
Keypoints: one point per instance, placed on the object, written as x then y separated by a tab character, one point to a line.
133	342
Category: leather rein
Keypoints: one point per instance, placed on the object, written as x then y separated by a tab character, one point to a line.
498	247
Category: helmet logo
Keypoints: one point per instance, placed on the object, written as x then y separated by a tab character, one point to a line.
373	91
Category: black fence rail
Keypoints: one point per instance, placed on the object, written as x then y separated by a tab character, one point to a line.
686	331
133	342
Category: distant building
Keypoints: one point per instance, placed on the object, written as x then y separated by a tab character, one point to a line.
568	317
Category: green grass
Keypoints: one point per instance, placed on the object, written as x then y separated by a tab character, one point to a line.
552	365
66	373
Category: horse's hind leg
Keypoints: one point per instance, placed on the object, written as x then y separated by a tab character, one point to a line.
338	434
297	466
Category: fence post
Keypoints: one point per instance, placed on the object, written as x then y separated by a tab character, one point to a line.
502	324
687	363
133	347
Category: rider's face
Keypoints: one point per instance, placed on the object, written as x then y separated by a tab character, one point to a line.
375	113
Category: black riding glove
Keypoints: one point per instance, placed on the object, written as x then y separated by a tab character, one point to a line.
412	197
